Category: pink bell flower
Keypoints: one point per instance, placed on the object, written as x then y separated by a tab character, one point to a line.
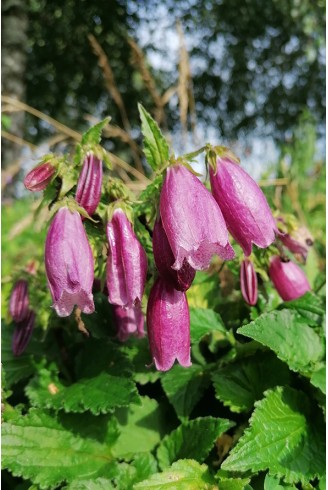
19	301
288	278
243	205
88	190
22	333
69	264
168	325
129	321
192	220
39	177
126	262
248	282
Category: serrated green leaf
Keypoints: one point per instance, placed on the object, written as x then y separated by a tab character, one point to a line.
185	474
289	337
156	148
185	387
272	483
40	448
193	439
141	427
15	368
240	384
286	436
141	467
203	321
100	394
309	306
318	379
93	135
234	484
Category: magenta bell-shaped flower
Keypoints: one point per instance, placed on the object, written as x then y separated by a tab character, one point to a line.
19	301
192	220
129	321
39	177
164	259
168	325
22	333
243	205
88	190
248	282
126	263
288	278
69	263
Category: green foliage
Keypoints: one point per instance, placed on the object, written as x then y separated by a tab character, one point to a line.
156	148
93	135
191	440
284	437
203	321
185	474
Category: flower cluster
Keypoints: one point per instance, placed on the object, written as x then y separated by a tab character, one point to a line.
191	226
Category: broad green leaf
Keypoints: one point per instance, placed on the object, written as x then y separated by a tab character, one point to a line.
286	437
193	439
309	306
93	135
185	474
234	484
97	484
15	368
289	337
100	394
318	379
203	321
240	384
185	387
156	148
140	428
40	448
272	483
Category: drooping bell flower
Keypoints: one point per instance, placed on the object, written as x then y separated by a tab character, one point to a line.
22	333
298	242
192	220
69	263
88	190
288	278
168	325
164	259
243	205
129	321
126	262
19	301
248	282
39	177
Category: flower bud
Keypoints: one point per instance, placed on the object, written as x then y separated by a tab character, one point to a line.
22	333
164	259
243	205
298	242
288	278
129	321
39	177
192	220
248	282
19	301
168	325
88	190
69	264
126	262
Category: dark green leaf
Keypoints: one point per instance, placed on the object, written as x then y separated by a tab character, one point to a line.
240	384
193	439
156	148
16	368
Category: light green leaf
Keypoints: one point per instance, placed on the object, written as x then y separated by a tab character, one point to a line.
240	384
99	394
234	484
97	484
185	387
40	448
156	148
318	379
185	474
286	436
289	337
193	439
140	428
203	321
309	306
93	135
272	483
